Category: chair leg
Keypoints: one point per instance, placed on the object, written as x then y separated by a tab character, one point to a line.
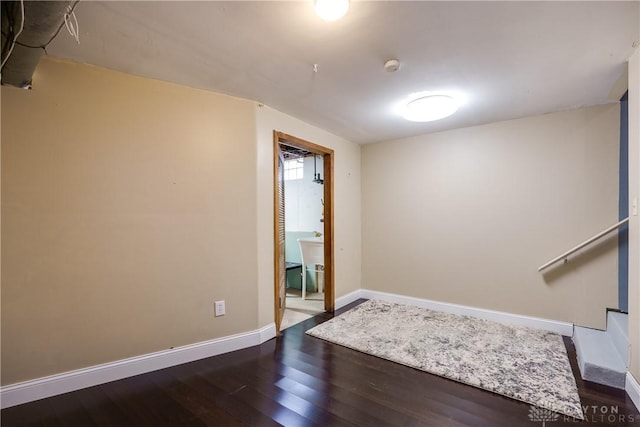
304	281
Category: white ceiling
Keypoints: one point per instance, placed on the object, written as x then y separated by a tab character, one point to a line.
509	59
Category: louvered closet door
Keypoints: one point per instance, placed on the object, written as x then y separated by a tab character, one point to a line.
282	276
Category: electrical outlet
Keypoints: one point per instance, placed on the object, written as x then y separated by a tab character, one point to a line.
220	309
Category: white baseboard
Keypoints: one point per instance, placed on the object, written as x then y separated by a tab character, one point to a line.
562	328
267	332
40	388
632	388
348	298
28	391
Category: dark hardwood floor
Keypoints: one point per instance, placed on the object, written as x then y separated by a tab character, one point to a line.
297	380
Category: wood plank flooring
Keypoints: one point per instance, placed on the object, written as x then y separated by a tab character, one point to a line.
297	380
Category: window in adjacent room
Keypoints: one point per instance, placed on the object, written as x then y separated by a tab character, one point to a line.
293	169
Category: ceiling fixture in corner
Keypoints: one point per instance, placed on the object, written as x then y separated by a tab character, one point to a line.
429	108
331	10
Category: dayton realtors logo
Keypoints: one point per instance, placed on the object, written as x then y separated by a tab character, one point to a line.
592	414
603	414
542	415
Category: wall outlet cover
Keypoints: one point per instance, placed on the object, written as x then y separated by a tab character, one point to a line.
220	309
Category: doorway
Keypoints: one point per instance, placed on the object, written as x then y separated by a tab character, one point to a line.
286	143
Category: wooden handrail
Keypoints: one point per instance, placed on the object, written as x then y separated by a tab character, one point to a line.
583	244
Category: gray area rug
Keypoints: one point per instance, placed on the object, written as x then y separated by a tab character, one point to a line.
526	364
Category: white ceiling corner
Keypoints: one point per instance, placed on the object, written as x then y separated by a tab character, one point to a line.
511	59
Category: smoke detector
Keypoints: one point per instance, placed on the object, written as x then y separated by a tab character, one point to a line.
391	65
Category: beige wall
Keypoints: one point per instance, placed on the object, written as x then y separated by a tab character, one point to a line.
467	216
347	212
634	225
128	207
120	228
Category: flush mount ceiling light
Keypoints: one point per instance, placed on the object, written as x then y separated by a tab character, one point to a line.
331	10
429	108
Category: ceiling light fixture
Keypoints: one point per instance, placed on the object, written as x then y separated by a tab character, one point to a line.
331	10
429	108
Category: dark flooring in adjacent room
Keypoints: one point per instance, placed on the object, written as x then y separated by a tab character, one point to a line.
297	380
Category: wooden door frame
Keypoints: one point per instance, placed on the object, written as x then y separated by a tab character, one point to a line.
329	272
